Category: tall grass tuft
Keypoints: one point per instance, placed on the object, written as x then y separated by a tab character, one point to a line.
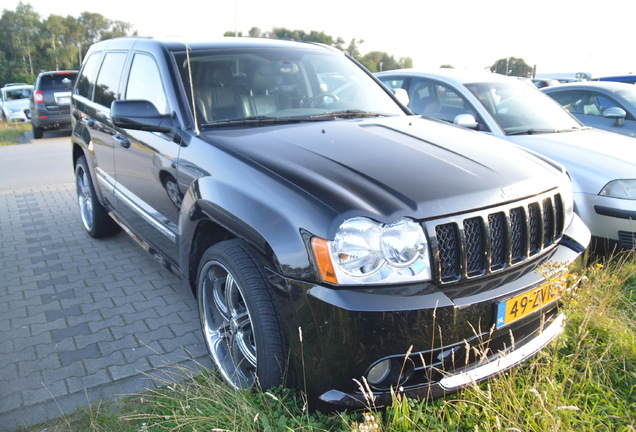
11	133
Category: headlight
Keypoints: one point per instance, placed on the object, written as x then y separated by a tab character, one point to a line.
366	252
567	196
625	189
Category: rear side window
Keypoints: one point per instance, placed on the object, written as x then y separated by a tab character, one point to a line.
107	84
86	81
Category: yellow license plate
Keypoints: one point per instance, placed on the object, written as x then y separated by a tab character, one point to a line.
525	303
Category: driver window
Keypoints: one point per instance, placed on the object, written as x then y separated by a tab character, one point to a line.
144	83
439	101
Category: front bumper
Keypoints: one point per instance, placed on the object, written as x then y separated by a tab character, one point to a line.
453	382
19	117
609	219
444	338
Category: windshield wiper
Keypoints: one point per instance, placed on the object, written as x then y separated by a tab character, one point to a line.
532	132
354	113
573	128
254	120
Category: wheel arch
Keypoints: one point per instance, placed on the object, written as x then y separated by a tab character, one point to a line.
213	211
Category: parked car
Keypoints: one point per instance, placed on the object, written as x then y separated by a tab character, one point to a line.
545	82
602	164
326	233
14	101
628	79
51	102
604	105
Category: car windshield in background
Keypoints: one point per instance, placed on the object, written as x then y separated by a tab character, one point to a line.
519	108
17	93
629	94
272	85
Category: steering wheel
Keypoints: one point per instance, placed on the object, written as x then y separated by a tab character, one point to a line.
320	99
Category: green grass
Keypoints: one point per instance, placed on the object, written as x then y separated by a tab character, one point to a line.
10	133
584	382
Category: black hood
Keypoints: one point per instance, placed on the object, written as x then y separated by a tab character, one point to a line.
392	167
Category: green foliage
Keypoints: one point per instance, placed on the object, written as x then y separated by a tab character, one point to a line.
374	61
29	44
512	66
11	133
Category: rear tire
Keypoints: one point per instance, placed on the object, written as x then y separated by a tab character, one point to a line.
95	219
38	132
239	321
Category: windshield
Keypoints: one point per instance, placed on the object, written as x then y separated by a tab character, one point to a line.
519	108
16	93
261	85
629	94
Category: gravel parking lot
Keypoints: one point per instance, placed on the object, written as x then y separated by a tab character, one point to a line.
81	319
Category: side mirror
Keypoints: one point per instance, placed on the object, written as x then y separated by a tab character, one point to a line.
402	96
615	113
466	120
139	115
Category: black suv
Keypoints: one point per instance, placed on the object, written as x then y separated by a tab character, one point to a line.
329	236
50	104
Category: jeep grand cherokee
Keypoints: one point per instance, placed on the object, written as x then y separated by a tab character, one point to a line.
329	236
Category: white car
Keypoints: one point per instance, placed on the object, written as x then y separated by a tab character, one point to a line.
602	164
15	103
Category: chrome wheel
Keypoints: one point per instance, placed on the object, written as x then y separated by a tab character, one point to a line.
227	325
85	198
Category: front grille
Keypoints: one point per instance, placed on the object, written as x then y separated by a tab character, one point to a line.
483	242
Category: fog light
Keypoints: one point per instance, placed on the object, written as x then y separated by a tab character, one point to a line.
379	372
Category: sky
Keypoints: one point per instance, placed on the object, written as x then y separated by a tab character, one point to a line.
556	36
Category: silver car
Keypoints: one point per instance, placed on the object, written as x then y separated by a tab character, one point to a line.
602	164
14	100
602	104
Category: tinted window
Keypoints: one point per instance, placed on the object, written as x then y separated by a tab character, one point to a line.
62	81
87	75
107	85
145	82
584	102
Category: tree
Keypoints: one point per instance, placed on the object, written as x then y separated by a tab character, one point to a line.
378	61
29	44
512	66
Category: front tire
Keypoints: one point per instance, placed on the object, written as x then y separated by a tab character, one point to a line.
239	321
95	219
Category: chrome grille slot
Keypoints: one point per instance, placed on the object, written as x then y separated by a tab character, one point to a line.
449	249
475	248
482	242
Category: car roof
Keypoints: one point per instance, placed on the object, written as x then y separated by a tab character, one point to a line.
607	85
178	44
60	72
17	87
453	76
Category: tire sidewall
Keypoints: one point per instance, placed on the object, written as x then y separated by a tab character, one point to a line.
271	348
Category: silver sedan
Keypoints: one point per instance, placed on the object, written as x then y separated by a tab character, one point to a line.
601	104
602	164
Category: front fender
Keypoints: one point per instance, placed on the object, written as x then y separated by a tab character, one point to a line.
275	217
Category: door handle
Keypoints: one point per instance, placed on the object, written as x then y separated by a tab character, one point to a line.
122	140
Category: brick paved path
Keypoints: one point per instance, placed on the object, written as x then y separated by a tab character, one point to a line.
81	319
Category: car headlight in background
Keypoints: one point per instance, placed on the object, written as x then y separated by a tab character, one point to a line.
567	196
624	189
367	252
